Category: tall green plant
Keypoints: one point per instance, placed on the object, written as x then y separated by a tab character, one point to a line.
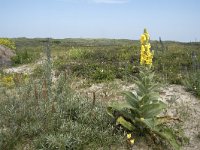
139	113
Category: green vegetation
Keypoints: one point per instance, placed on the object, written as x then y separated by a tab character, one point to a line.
174	62
25	56
118	58
39	115
139	115
192	83
36	113
98	64
8	43
102	60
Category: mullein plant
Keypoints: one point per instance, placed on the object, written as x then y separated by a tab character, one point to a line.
146	55
139	114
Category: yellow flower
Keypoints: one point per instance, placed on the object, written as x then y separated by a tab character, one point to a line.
143	39
148	46
132	141
128	136
142	119
8	79
142	48
8	43
146	55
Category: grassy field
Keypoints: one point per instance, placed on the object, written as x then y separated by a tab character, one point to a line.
173	61
37	112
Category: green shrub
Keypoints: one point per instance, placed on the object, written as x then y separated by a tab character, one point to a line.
173	63
25	56
78	53
8	43
44	116
38	71
101	74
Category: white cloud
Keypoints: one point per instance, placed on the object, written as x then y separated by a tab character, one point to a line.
111	1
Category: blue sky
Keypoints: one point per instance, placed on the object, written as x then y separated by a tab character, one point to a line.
177	20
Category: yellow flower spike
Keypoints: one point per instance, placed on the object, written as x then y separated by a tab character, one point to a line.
132	141
146	55
128	136
143	39
147	47
142	119
142	48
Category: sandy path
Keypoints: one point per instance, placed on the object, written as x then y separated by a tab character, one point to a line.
27	69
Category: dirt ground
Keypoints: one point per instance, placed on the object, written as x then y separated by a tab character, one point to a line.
184	105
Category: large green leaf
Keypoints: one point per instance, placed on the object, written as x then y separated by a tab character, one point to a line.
149	122
121	106
122	109
115	107
154	87
150	97
110	111
151	76
141	88
131	99
161	131
168	135
152	110
125	123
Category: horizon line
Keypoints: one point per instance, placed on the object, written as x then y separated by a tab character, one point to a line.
99	38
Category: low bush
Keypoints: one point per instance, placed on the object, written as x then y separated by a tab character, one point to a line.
8	43
40	115
78	53
25	56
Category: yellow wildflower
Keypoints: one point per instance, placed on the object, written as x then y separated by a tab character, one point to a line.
142	119
8	43
146	55
132	141
7	79
142	48
128	136
147	46
143	39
